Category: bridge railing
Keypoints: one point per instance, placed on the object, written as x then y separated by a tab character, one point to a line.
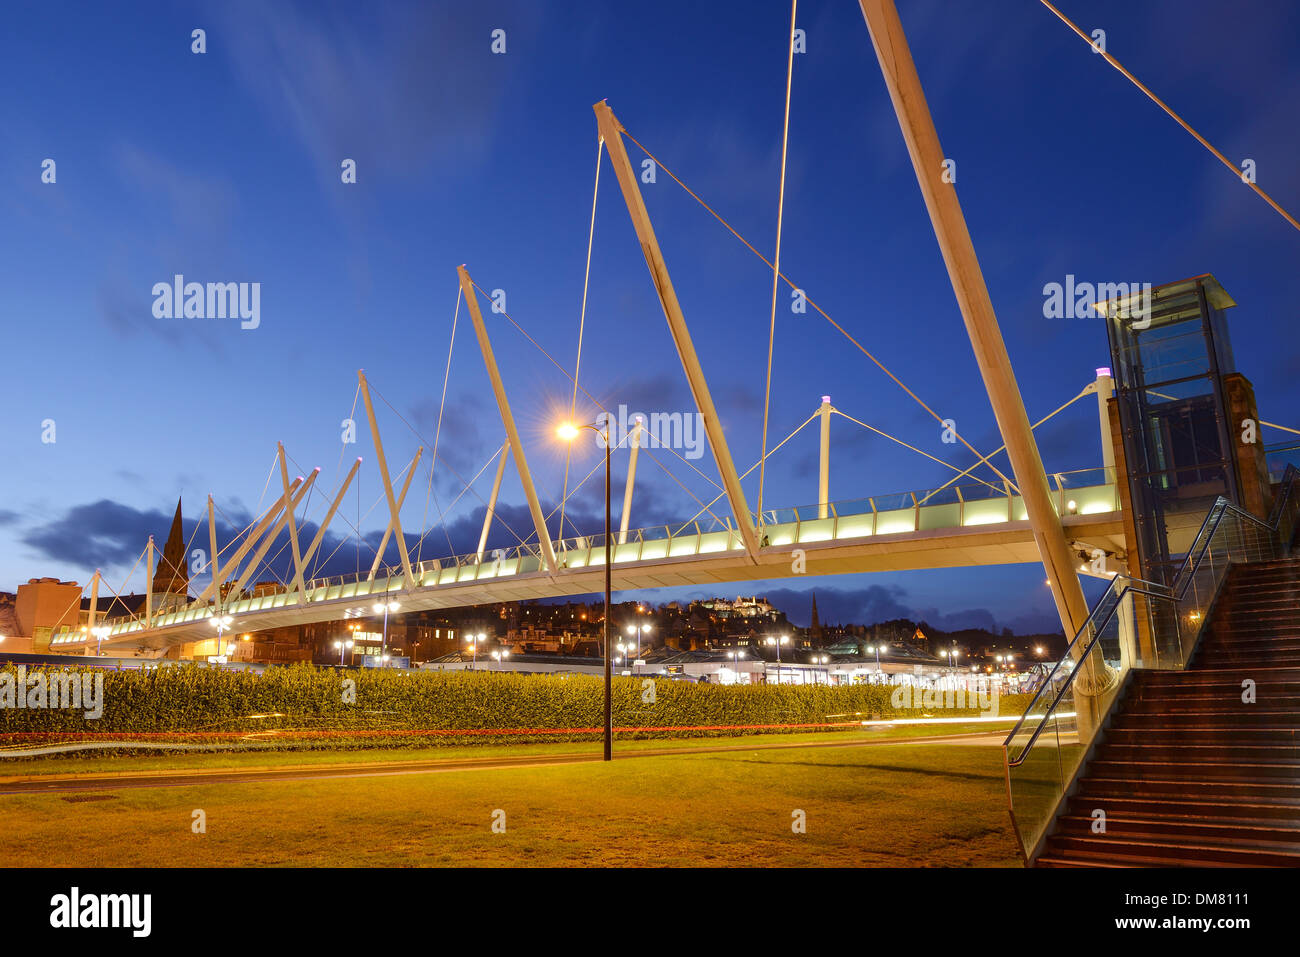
953	506
1135	624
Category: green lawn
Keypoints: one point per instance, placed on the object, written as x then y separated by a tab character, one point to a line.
100	763
891	805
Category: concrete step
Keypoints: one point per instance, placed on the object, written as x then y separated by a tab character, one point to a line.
1200	676
1235	716
1156	853
1259	645
1183	753
1224	810
1212	699
1094	785
1225	681
1213	737
1164	770
1279	836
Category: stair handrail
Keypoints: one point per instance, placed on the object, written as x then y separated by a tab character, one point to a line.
1153	590
1175	593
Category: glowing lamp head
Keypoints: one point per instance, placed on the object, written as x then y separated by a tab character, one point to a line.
568	431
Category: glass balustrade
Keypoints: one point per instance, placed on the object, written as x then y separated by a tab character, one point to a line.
1135	624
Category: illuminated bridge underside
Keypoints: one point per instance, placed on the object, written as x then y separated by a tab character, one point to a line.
901	540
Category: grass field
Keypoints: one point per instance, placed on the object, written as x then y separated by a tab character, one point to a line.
96	762
907	804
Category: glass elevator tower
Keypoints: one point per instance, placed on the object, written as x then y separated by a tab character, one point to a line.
1170	351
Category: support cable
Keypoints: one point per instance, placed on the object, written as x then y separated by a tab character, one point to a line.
984	458
1177	119
776	263
582	322
825	315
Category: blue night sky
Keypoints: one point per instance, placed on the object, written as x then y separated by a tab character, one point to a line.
225	167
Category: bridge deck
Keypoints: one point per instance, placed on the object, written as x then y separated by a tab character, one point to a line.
893	533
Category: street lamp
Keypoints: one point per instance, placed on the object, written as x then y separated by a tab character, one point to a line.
821	660
385	607
735	657
636	630
499	654
474	642
221	623
569	431
783	640
340	645
101	632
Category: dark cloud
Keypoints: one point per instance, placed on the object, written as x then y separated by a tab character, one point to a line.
101	534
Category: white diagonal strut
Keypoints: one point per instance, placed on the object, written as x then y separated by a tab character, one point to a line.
393	507
298	581
508	419
401	499
492	499
612	131
249	541
295	500
338	500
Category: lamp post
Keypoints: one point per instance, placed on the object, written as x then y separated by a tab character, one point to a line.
221	623
101	632
636	630
474	642
782	640
385	607
500	654
569	432
340	645
821	660
735	657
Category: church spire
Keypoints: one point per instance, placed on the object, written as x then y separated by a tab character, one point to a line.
815	629
172	574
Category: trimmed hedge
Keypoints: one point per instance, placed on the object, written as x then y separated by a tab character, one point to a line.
304	704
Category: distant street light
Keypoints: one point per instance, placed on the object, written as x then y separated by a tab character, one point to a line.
474	642
735	657
878	648
340	645
221	623
101	632
782	640
636	630
385	607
